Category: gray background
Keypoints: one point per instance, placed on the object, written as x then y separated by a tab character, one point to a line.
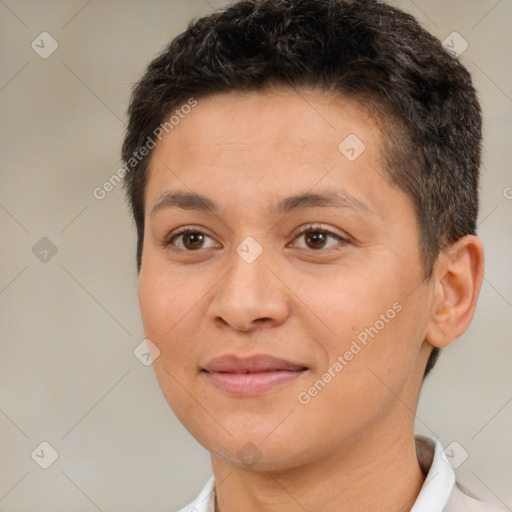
69	325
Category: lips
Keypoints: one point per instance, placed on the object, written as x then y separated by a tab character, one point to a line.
254	364
251	376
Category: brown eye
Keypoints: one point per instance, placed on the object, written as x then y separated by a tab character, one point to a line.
315	239
193	240
189	239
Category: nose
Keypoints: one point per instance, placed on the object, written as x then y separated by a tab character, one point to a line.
250	295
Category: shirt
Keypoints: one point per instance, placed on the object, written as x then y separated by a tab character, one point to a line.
439	493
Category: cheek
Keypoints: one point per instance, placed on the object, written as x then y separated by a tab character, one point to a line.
170	310
348	303
167	311
165	303
384	356
375	325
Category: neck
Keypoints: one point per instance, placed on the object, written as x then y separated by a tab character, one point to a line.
377	472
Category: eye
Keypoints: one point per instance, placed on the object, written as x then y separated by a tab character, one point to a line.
316	238
192	239
189	239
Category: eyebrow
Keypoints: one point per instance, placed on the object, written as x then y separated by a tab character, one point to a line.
327	198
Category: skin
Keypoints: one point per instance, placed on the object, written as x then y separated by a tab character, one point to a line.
351	447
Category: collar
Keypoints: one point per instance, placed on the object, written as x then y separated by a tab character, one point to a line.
433	497
440	479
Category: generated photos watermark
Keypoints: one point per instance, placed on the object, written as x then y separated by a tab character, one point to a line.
357	345
141	152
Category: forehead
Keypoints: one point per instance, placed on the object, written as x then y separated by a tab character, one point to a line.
289	118
259	143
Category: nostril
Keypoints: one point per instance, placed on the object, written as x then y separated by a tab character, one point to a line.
262	320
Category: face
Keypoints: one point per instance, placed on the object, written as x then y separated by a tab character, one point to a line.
295	300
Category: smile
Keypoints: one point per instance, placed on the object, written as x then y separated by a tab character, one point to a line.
251	376
246	384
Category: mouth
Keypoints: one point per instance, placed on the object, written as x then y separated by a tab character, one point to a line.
255	375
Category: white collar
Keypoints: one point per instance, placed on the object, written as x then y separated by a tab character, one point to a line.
437	494
440	478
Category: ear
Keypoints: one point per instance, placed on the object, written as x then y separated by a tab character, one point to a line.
457	280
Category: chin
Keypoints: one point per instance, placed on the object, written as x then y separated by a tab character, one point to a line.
258	452
255	457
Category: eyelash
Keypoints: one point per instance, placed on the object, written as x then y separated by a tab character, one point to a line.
314	228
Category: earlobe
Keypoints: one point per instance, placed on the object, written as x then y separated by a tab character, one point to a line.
457	280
